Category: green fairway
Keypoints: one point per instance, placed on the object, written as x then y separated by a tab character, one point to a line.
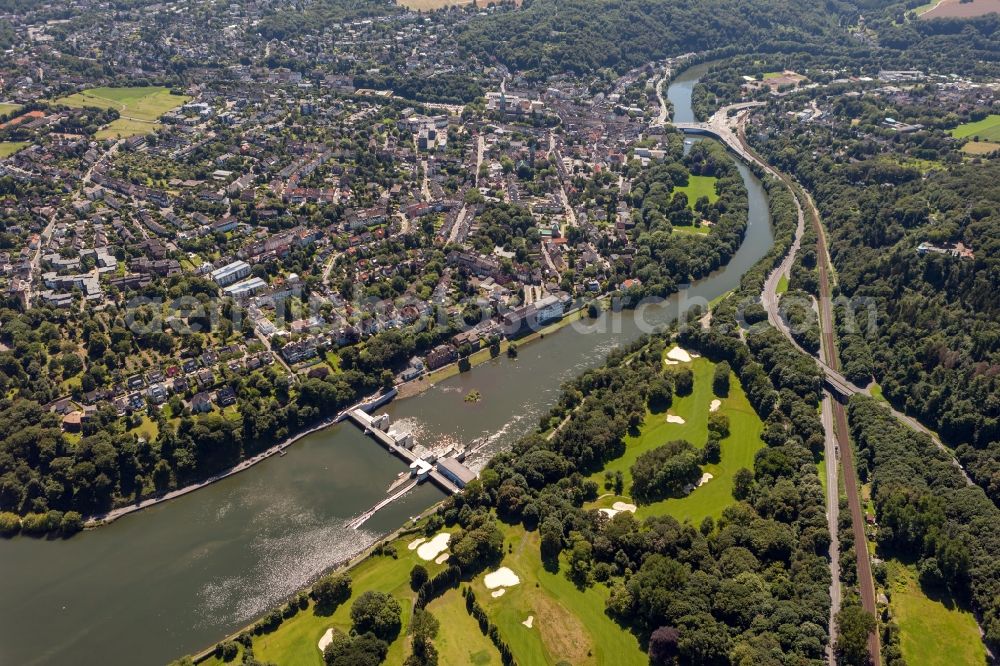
697	187
933	632
569	625
460	641
987	129
294	643
8	148
738	449
139	108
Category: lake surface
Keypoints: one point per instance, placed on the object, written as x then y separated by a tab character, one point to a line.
178	577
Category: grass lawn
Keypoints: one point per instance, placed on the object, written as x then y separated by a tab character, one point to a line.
738	449
697	187
6	108
877	392
8	148
987	129
980	147
933	631
782	284
570	625
123	128
692	230
147	428
139	107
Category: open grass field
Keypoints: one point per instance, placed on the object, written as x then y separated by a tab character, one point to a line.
980	147
124	128
139	108
987	129
959	9
693	230
569	626
8	148
933	632
738	449
697	187
6	108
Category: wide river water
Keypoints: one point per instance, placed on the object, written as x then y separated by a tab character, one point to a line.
177	577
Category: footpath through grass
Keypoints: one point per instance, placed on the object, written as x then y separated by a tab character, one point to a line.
933	631
738	449
140	108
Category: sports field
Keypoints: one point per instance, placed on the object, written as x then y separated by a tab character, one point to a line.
987	129
140	108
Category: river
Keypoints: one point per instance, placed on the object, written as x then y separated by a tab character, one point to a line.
177	577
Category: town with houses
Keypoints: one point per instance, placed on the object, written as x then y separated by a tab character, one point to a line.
295	195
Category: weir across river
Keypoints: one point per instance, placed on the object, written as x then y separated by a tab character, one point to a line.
419	467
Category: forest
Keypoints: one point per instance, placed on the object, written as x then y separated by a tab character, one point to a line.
928	514
581	36
925	325
554	36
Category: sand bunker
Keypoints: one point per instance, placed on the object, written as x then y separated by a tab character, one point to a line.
530	621
624	506
430	550
705	478
680	355
610	513
502	577
714	407
674	419
415	543
498	593
441	559
325	640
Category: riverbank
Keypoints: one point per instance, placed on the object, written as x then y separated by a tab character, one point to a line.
92	522
417	386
